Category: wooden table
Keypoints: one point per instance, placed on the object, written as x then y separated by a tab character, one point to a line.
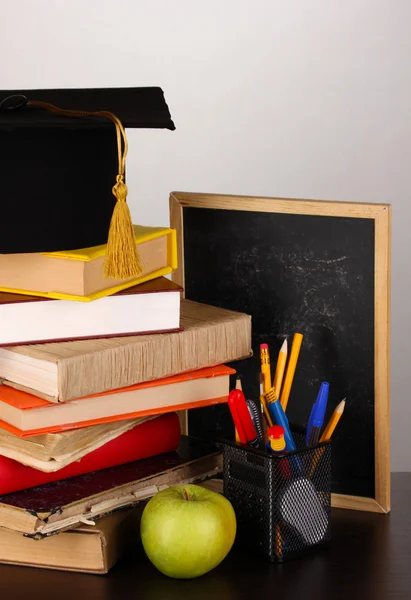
369	558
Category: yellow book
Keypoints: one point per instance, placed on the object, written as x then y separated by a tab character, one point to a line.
78	274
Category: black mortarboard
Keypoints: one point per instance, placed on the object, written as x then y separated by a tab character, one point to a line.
58	168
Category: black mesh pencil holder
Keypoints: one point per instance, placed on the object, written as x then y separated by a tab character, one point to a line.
282	503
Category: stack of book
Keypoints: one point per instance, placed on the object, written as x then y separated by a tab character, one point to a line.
93	373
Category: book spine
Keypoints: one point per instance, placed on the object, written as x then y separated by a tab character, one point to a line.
153	437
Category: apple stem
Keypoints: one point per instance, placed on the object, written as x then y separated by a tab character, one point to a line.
186	496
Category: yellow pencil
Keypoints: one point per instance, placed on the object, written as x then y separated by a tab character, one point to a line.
292	363
280	368
265	366
238	386
333	422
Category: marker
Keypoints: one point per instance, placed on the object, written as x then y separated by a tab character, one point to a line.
276	440
265	366
280	368
278	415
242	419
292	363
317	414
333	422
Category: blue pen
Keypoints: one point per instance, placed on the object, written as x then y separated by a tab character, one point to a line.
316	420
310	422
279	417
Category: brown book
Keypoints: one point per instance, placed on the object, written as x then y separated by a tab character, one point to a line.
62	505
151	307
87	548
67	370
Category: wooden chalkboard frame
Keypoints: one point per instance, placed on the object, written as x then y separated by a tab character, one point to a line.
381	214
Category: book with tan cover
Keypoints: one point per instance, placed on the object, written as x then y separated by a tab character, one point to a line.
27	450
78	274
54	446
87	548
66	370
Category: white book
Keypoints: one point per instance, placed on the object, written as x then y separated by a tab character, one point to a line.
150	307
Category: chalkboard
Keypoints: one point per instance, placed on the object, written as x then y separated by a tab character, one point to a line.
310	273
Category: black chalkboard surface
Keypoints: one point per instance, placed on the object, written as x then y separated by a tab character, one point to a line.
307	273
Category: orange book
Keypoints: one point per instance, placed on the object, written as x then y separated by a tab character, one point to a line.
24	414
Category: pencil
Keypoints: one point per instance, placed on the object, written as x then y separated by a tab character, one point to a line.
265	366
267	420
328	431
280	368
278	541
292	363
333	422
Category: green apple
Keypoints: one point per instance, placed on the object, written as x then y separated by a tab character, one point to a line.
187	530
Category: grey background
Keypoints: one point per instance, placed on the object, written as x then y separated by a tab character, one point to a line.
304	98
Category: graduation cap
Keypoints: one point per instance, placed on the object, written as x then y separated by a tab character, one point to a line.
62	169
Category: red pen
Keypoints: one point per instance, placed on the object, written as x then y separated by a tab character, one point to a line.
242	419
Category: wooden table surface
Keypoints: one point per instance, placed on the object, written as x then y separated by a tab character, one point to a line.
369	558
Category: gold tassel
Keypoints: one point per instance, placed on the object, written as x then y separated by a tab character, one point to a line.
122	260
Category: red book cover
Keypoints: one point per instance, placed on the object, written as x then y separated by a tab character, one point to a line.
151	438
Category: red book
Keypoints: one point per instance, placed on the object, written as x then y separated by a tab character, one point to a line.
151	438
